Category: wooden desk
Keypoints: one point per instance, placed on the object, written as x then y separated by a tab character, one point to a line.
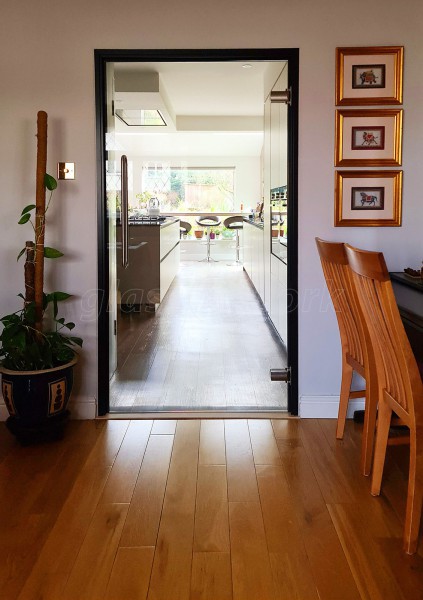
409	296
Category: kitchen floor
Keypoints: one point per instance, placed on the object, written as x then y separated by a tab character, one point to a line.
210	345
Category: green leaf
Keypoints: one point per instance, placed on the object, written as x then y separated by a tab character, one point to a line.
61	321
21	296
59	296
24	219
20	253
19	340
28	209
76	340
70	325
13	335
50	182
52	252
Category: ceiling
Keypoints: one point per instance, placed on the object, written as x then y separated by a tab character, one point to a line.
219	108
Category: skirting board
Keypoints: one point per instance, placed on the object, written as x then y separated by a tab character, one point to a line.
80	407
326	407
83	407
311	407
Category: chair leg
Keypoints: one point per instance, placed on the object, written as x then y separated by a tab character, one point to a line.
415	492
347	373
383	424
369	427
237	246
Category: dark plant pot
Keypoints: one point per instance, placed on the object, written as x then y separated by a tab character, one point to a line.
37	401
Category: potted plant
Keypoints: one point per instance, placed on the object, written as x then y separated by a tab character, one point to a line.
37	357
199	233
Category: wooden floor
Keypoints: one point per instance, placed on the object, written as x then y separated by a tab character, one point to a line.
201	510
209	346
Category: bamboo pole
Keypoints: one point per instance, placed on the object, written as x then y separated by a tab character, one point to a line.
40	216
29	270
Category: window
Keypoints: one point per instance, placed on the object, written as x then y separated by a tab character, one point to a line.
189	189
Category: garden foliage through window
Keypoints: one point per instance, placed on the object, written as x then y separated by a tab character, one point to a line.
188	189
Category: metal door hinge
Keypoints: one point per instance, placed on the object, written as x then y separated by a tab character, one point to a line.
284	97
281	375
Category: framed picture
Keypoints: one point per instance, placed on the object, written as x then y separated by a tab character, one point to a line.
368	138
368	198
369	75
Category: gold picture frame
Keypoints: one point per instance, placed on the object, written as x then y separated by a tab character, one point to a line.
369	75
368	198
368	137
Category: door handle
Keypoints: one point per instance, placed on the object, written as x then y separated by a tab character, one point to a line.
281	375
124	210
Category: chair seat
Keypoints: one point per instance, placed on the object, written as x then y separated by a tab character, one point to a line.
235	222
208	221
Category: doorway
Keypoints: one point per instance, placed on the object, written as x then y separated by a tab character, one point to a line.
109	153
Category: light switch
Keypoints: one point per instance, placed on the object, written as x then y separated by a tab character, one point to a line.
65	170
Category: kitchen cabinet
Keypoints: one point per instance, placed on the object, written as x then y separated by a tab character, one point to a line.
255	256
279	296
253	241
154	257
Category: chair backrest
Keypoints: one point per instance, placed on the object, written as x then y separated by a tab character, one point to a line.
397	370
185	226
338	279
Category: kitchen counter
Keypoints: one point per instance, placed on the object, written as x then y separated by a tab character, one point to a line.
154	223
258	224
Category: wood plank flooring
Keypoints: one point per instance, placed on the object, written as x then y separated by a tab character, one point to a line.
209	346
202	510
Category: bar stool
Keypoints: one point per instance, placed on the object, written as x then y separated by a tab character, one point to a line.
208	221
235	223
184	228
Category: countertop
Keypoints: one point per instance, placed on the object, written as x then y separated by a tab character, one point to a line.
168	221
258	224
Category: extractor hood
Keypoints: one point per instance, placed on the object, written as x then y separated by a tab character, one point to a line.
141	102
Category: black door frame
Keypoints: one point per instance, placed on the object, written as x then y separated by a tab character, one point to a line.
101	58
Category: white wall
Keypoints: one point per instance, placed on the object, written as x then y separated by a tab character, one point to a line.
46	62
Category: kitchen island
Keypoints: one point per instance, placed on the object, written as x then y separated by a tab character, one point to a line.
153	261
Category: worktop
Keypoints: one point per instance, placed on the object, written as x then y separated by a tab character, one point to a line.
258	224
162	224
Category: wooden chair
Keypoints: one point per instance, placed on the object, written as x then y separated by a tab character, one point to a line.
356	352
400	388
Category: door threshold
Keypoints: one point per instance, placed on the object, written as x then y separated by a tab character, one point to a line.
201	414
